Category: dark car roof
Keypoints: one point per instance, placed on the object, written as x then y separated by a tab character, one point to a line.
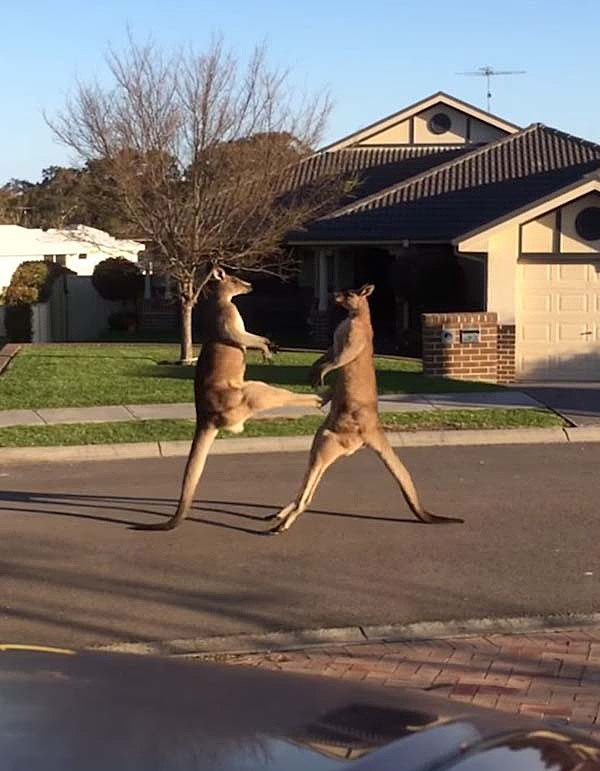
127	713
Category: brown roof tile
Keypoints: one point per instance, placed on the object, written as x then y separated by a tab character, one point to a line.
531	151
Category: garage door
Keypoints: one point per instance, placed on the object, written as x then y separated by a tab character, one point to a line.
558	321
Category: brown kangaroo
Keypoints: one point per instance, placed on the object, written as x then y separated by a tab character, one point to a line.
352	422
222	398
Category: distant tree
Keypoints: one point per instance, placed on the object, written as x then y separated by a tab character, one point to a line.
13	202
197	151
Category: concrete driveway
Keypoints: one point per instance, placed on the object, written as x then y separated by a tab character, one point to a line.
578	402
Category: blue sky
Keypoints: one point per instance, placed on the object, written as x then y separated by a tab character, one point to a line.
374	56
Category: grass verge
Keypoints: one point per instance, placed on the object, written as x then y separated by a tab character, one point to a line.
173	430
106	374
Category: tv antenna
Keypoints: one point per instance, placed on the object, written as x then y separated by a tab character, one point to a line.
489	72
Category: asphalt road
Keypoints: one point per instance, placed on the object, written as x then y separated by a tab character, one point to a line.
72	572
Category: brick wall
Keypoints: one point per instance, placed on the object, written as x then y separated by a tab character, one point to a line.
506	353
446	354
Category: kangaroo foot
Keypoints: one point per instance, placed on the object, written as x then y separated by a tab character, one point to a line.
279	529
432	519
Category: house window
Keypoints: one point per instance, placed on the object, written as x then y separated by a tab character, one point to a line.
83	256
439	123
61	259
587	223
48	258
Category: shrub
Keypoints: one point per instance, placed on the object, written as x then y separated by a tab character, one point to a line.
17	321
30	283
118	279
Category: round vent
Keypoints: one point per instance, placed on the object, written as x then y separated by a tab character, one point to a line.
587	223
439	123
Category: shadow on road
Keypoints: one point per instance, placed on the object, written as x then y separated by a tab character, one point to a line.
129	504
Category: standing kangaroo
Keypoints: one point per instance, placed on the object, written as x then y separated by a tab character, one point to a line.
352	422
223	399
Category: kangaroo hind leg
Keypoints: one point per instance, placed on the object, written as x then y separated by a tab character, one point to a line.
324	451
378	442
261	396
201	445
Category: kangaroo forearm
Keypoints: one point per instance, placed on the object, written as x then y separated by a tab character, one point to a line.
254	341
242	338
340	360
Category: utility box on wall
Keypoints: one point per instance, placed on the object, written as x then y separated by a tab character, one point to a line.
470	335
461	345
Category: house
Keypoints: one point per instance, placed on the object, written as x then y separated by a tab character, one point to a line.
489	229
79	248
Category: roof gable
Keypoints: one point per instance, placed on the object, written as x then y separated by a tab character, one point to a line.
527	153
475	240
410	126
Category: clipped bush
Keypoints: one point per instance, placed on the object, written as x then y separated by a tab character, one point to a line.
30	283
118	279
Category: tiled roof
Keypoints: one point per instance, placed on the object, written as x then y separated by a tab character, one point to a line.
375	168
465	192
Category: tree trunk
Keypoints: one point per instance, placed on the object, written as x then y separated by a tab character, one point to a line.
186	308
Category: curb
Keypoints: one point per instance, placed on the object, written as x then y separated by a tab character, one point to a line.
140	450
7	354
351	635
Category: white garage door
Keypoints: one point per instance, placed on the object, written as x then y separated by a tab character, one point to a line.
558	321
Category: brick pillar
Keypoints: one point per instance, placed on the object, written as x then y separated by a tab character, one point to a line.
463	346
506	353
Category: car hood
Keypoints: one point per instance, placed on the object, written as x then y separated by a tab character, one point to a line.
88	711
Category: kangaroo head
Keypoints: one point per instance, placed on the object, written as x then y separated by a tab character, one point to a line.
226	285
353	299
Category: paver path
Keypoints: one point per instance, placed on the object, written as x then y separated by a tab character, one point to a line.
553	675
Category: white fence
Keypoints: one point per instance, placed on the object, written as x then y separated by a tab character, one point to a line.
75	312
41	331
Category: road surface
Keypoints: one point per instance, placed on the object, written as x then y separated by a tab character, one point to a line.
72	572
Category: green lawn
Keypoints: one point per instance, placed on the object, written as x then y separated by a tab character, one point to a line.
165	430
80	375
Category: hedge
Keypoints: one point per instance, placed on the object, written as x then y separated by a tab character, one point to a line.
30	283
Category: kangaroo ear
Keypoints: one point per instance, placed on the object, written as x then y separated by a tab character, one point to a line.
218	274
366	290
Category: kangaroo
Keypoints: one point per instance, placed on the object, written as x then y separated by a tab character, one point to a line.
352	421
222	398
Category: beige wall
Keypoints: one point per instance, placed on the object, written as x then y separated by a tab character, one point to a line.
399	134
503	254
395	135
538	235
482	132
458	129
569	240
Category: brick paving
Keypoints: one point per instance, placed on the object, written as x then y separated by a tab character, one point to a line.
552	675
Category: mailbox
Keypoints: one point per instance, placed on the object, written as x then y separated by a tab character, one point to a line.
469	335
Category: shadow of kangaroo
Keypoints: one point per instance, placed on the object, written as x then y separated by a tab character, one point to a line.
222	398
352	421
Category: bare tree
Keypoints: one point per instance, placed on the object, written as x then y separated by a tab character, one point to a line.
200	151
